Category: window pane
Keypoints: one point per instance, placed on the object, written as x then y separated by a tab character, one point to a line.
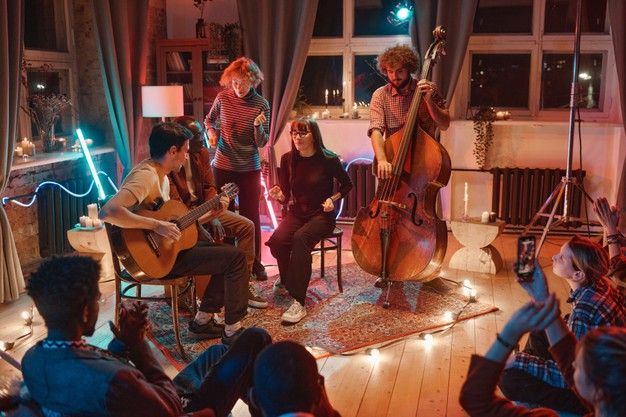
498	16
329	19
49	81
322	73
561	16
44	26
500	80
366	78
556	80
373	18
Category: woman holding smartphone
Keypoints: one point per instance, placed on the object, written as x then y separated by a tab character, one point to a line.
533	376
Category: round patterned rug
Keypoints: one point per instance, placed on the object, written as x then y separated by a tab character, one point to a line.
335	322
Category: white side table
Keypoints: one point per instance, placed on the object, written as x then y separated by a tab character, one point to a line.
478	254
93	242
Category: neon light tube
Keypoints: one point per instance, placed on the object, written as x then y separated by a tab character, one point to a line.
92	167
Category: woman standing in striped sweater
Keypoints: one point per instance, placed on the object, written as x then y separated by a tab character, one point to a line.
238	125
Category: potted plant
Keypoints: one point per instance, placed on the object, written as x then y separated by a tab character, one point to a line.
483	128
200	25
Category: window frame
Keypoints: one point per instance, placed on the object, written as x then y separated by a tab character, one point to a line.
537	43
348	46
58	60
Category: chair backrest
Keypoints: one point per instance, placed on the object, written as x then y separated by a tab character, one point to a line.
117	266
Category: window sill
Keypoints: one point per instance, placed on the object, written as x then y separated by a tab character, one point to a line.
49	158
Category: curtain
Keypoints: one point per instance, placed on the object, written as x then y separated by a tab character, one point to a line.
276	36
11	50
122	43
617	17
457	18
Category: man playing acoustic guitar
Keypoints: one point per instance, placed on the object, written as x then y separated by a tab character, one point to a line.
145	187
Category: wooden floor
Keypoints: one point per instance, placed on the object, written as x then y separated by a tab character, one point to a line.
408	379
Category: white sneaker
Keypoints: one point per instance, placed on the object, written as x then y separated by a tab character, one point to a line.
294	313
279	288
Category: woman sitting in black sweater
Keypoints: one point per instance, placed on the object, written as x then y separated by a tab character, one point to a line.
306	180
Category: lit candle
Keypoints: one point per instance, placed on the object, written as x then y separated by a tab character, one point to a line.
465	200
19	151
484	218
326	97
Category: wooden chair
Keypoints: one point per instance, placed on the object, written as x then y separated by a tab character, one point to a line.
334	240
176	286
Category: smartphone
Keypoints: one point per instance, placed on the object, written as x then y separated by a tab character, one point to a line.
525	257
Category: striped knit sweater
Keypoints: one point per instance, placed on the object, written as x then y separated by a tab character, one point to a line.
239	139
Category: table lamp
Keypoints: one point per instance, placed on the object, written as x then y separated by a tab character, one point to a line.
162	101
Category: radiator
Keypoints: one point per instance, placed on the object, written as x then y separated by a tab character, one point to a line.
58	212
363	190
519	193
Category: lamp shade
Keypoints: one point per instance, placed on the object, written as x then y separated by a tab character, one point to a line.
162	101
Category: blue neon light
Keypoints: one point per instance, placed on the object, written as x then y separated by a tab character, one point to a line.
5	200
92	167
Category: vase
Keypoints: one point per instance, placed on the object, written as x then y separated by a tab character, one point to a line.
47	136
200	29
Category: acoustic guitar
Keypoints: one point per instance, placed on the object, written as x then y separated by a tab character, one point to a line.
147	255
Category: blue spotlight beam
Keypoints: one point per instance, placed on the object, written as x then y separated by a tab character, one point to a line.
92	167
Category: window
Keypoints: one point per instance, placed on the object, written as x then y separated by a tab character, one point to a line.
49	63
520	58
347	38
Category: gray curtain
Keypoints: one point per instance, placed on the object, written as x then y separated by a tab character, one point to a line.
617	18
122	43
11	50
276	35
457	18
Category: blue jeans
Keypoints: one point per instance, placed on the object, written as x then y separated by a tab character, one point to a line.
219	376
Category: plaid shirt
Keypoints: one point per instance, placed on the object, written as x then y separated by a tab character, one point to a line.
592	306
389	109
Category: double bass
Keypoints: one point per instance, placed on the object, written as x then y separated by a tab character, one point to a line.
399	236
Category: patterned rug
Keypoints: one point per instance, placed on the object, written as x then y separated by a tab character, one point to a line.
336	322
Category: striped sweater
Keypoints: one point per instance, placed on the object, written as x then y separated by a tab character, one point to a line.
239	139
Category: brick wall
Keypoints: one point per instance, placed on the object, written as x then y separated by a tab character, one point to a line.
23	220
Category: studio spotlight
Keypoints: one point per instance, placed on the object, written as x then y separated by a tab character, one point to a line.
400	14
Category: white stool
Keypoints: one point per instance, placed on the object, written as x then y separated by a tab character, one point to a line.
478	255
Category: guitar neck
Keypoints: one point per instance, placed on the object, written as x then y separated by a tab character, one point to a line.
193	215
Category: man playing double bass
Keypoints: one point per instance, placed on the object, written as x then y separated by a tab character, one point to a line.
390	103
390	106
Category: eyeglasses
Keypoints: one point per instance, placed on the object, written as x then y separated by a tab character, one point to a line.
301	133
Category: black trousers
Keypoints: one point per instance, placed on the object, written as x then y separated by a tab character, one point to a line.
291	245
229	277
518	385
249	184
221	375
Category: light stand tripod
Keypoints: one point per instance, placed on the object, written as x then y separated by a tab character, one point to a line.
565	189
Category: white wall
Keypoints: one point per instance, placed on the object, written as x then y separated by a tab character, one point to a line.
516	144
182	16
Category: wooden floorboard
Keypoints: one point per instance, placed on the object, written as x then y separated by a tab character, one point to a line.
410	378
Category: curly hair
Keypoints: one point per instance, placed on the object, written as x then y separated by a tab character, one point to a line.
242	68
62	287
604	364
402	55
588	256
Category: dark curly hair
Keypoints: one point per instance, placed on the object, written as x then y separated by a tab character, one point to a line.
62	286
402	55
604	364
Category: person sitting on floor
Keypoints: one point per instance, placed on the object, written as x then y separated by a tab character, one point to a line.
533	376
595	367
288	384
67	377
307	176
194	184
146	186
